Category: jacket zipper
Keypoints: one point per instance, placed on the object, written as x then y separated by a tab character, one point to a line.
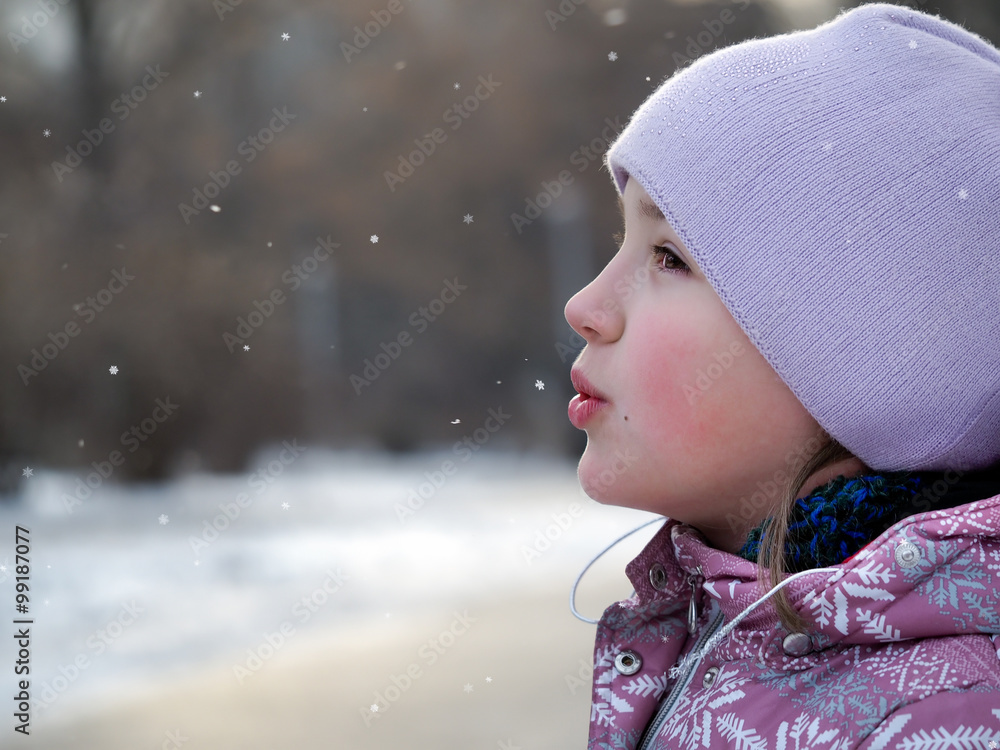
665	709
695	580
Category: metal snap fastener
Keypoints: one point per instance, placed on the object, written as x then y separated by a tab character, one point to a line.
710	674
658	577
907	555
628	662
796	644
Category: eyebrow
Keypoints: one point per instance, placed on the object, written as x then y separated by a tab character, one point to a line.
650	211
646	209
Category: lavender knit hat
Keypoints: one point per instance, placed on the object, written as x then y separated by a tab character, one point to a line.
840	189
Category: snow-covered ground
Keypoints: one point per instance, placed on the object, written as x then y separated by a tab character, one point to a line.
135	584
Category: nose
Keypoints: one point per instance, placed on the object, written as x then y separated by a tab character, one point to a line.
595	312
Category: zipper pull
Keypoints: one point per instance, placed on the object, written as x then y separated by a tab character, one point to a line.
695	581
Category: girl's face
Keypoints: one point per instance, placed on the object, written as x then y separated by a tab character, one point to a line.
694	420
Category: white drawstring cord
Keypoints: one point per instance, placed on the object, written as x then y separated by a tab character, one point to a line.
572	594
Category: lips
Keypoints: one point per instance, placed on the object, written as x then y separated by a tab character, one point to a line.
583	386
587	402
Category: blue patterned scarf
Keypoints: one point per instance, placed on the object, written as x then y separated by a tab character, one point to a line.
844	515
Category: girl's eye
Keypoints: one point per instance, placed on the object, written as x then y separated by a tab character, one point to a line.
659	254
674	264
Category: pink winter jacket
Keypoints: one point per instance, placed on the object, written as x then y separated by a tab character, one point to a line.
901	650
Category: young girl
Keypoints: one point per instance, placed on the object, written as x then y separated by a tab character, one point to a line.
795	357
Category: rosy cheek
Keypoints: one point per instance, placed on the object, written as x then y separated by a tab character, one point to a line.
667	374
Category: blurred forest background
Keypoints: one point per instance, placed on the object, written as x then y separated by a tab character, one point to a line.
183	85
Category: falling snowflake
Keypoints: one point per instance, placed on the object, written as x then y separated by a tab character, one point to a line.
913	44
246	347
612	56
963	194
540	385
467	219
214	208
456	421
467	688
374	238
164	519
364	109
197	95
285	506
46	132
489	679
373	708
457	86
28	471
3	98
3	568
285	36
113	369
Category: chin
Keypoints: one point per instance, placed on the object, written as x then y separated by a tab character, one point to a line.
603	490
613	473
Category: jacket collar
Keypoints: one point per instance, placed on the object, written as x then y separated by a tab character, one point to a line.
931	574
